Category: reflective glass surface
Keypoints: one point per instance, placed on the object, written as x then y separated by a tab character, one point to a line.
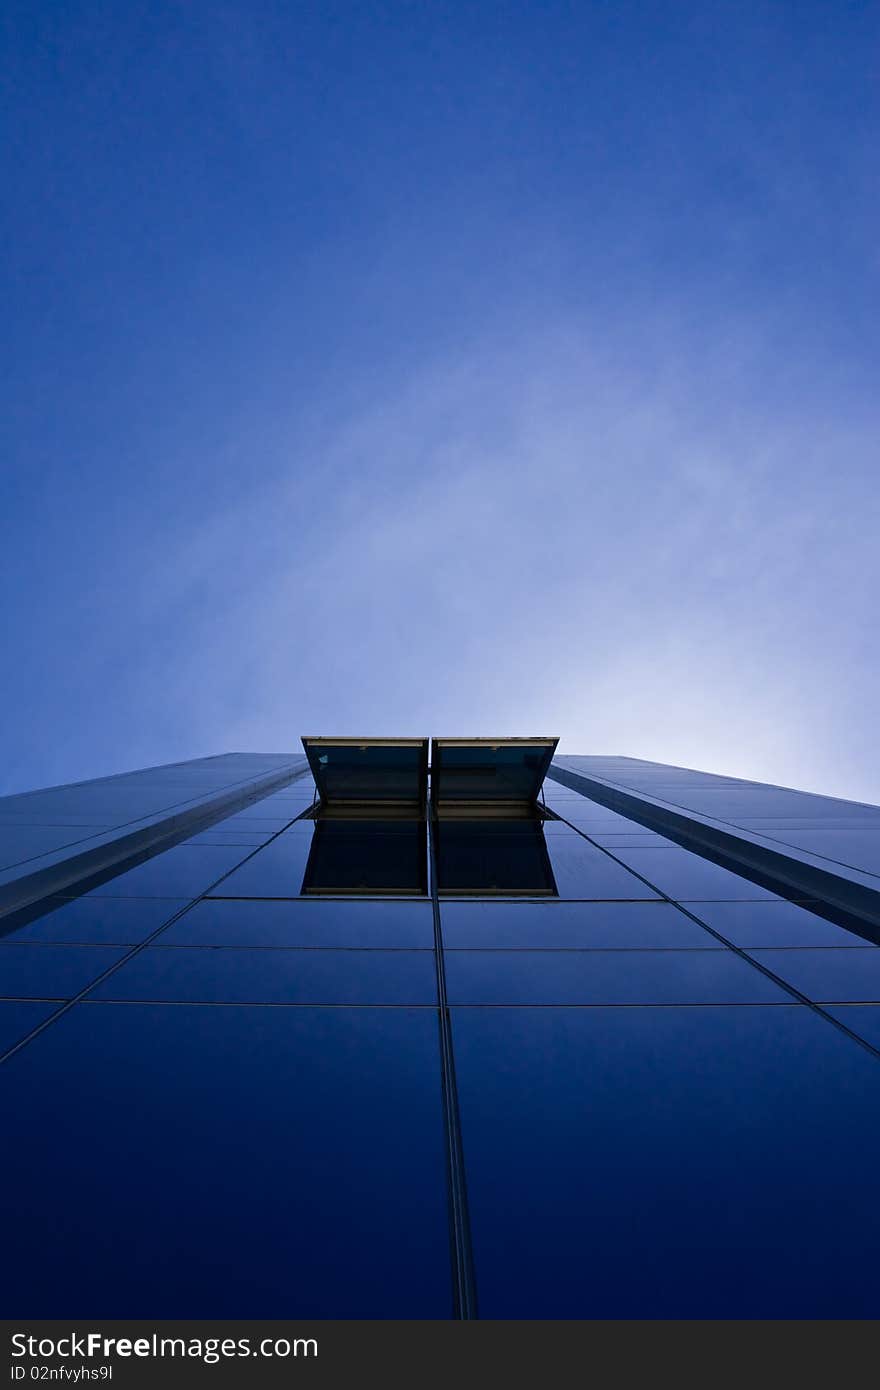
376	857
52	972
97	921
274	976
181	872
569	924
245	1118
733	803
224	836
686	876
586	814
582	870
276	871
477	770
772	924
640	839
492	856
856	846
215	922
18	842
374	770
827	974
18	1017
863	1019
669	1162
269	812
606	977
266	823
229	1162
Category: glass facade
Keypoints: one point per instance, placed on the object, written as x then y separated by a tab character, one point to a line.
498	1048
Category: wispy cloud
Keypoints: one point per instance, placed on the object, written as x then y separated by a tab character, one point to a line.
664	561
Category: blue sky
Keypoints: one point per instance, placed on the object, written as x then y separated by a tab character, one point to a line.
441	368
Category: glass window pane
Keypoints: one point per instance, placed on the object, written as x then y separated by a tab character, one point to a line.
369	770
267	823
492	857
274	976
689	877
669	1163
857	847
276	871
262	813
773	924
215	922
569	924
483	770
19	1016
582	870
181	872
863	1019
828	974
223	836
258	1162
97	921
20	843
377	857
606	977
52	972
642	839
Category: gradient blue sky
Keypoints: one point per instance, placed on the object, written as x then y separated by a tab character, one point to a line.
410	368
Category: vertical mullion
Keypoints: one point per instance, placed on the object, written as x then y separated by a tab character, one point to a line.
463	1282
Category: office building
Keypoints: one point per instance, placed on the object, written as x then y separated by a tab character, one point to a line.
439	1028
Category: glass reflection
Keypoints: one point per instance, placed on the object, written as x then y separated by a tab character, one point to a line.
372	857
487	857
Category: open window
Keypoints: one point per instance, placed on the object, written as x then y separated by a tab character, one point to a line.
370	834
488	825
351	772
506	772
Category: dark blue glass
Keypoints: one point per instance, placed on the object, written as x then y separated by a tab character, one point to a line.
858	847
581	870
586	815
83	822
274	872
371	856
19	1016
258	817
19	843
569	924
97	921
230	837
375	770
863	1019
181	872
274	976
732	803
856	821
490	856
462	771
828	974
52	972
606	977
226	1162
633	839
772	924
686	876
305	922
669	1163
